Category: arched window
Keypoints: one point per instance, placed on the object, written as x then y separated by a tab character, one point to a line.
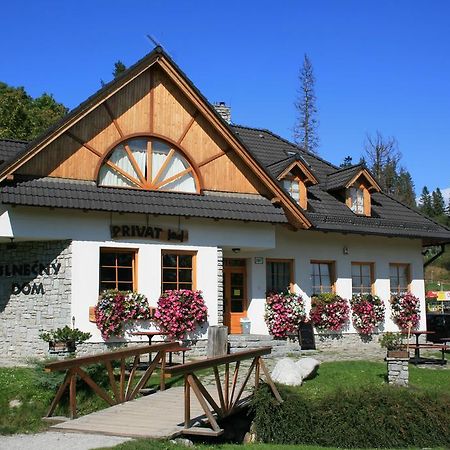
148	163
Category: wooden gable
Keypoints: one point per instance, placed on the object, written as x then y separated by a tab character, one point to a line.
151	105
153	99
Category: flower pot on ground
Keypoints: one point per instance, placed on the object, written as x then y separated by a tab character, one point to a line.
329	312
283	313
64	339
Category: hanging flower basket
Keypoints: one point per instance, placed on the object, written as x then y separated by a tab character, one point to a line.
329	312
180	312
116	308
405	310
283	313
367	312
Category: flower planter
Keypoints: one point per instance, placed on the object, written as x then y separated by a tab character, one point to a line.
62	347
397	354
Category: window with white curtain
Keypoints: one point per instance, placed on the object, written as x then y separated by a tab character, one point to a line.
357	200
148	163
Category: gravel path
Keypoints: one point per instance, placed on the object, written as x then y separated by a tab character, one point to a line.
58	441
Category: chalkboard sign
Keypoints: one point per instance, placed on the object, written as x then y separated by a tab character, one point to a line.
306	336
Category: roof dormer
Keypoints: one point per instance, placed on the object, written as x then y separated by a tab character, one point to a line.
296	177
357	183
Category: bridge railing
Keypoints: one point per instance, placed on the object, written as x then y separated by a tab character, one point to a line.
126	389
229	392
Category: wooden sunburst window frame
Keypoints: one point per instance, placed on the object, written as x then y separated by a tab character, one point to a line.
144	179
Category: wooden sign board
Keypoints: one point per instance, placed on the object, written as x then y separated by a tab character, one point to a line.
147	232
306	336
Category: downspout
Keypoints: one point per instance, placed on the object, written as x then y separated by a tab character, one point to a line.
436	256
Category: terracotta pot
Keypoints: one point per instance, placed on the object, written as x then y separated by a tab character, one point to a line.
397	354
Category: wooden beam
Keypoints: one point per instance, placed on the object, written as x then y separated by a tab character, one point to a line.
114	121
163	166
84	144
188	127
172	178
94	386
210	159
152	103
134	163
112	381
124	174
220	390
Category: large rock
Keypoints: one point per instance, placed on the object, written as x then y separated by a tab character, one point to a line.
308	367
290	372
287	372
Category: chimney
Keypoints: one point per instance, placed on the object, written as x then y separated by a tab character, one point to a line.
223	110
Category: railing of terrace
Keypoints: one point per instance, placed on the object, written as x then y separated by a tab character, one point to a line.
229	396
126	390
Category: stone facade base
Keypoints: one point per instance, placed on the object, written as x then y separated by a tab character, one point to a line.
398	371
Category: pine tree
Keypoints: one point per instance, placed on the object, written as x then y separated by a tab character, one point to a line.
425	205
119	68
305	129
404	189
437	203
347	162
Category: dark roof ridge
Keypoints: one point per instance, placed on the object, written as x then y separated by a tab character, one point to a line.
342	169
287	142
416	211
293	157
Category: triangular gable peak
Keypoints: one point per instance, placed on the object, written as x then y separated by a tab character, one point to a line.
364	178
300	170
152	101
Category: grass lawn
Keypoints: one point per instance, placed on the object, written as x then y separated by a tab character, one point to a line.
26	385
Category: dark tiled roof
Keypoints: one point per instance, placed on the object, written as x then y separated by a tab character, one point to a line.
269	149
9	148
389	217
75	194
340	178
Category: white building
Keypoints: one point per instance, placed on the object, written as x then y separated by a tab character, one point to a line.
144	186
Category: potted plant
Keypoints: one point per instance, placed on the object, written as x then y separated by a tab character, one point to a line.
64	339
393	343
367	312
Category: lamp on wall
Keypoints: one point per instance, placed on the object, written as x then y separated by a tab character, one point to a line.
345	250
236	250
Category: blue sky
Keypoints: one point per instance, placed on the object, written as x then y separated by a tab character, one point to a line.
380	65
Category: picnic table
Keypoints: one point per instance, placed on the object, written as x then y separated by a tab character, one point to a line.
151	334
417	346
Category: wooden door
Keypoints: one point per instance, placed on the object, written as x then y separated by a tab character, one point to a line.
235	292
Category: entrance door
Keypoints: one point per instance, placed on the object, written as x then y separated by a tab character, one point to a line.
235	294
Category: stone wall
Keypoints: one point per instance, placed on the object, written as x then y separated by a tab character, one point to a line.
35	294
398	371
219	286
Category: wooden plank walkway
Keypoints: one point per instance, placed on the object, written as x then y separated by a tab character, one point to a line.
158	415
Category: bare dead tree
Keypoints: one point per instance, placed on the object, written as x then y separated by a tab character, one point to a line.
381	152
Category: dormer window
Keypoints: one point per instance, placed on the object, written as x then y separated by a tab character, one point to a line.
293	187
356	197
295	178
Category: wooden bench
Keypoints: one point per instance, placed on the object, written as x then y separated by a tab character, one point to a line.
417	347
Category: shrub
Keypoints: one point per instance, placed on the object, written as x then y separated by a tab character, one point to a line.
367	312
405	310
283	313
65	334
114	308
392	341
180	312
364	418
329	312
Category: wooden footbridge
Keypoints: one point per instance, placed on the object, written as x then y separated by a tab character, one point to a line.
194	408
